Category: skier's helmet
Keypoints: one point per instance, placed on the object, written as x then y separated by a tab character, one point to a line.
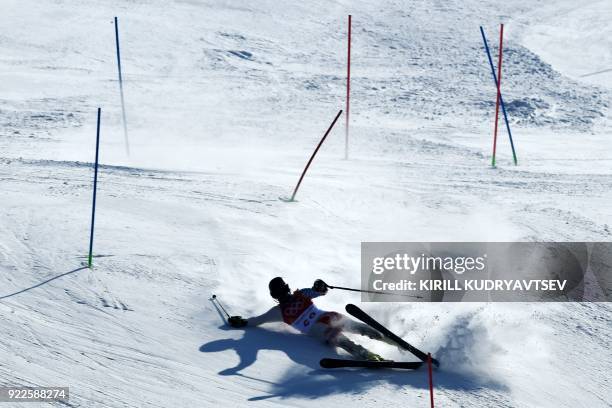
278	288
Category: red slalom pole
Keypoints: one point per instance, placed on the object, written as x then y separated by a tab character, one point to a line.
348	89
313	155
499	71
431	398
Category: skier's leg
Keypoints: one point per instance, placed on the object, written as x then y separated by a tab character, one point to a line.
321	332
354	349
341	322
363	329
333	336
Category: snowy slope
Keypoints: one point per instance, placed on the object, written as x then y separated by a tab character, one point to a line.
574	38
225	102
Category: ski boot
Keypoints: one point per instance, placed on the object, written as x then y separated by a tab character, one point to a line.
373	357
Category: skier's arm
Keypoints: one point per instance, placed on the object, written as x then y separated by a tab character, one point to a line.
272	315
319	288
311	293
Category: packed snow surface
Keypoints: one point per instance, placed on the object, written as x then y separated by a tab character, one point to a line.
225	102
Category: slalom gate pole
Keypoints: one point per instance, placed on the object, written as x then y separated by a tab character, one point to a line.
348	89
125	134
499	78
313	155
95	187
429	369
501	98
214	298
372	291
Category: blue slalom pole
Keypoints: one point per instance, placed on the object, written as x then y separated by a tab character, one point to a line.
501	99
125	134
95	187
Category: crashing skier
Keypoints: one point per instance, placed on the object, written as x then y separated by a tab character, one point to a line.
298	310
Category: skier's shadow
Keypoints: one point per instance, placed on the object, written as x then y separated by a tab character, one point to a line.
257	338
318	382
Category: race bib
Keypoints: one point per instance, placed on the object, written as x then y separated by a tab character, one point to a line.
307	319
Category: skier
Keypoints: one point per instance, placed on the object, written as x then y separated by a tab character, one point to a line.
298	310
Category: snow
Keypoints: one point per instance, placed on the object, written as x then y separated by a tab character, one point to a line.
225	102
574	38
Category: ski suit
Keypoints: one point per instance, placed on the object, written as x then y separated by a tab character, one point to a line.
300	312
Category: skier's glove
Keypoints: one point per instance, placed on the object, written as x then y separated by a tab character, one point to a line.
237	321
320	286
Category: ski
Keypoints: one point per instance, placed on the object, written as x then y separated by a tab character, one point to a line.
339	363
367	319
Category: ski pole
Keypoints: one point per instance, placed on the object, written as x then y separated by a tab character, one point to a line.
372	291
214	298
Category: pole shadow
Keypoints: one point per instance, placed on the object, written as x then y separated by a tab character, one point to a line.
42	283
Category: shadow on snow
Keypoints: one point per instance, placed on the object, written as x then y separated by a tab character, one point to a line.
317	382
42	283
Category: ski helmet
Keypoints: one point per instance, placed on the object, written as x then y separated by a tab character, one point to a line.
278	288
